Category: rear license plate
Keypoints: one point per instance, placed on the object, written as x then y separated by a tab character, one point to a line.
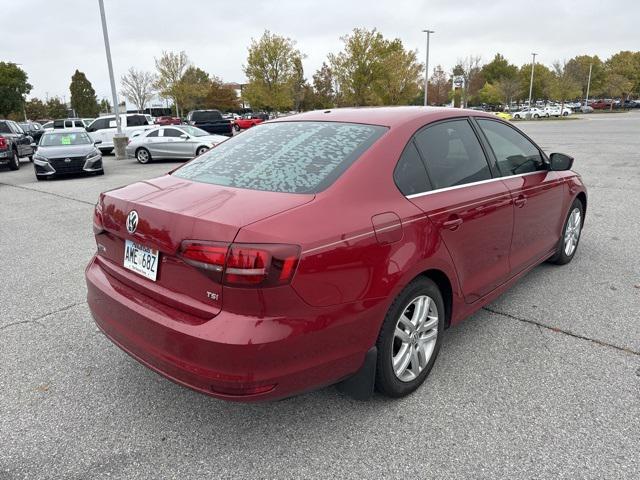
140	259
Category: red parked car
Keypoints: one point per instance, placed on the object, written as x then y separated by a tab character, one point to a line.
327	247
168	121
600	104
248	121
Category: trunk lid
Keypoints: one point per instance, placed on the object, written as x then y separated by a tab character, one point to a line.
171	210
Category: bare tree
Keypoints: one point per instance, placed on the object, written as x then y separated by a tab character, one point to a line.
138	87
470	69
509	88
171	67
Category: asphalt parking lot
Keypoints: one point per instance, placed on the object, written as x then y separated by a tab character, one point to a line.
543	383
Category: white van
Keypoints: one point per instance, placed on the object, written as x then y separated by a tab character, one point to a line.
104	128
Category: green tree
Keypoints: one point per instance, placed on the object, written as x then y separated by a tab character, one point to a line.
171	68
298	84
83	96
221	96
105	106
359	66
56	109
490	94
271	70
137	87
578	69
542	81
401	75
564	86
497	69
13	88
193	88
324	94
36	109
625	64
616	85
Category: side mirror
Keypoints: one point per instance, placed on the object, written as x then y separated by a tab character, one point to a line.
97	142
560	162
184	136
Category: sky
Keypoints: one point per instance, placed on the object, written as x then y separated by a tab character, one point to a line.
59	36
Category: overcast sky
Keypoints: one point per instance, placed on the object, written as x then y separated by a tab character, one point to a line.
51	38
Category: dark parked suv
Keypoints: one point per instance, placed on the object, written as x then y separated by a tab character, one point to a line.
14	143
210	121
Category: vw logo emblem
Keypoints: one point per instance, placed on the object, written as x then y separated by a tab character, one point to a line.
67	160
132	221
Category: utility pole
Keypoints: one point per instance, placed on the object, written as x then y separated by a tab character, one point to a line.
119	140
426	68
586	99
533	64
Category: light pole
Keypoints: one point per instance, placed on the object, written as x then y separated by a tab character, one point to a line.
119	141
586	99
533	64
426	68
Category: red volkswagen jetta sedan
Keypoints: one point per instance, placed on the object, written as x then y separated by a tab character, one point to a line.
332	246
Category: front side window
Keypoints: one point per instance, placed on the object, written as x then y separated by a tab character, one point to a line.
515	154
4	127
453	154
292	157
410	175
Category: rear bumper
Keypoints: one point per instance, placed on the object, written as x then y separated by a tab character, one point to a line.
235	357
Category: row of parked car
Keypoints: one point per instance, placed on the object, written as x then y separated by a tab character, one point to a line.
76	145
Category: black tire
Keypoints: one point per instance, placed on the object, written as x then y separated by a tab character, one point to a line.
236	127
14	164
561	257
387	382
201	150
31	158
535	115
517	116
143	156
106	151
565	114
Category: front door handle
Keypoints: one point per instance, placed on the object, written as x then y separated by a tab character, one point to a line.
520	201
452	224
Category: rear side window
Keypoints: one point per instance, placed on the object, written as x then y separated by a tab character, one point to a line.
206	116
453	154
136	121
171	132
410	175
58	124
153	134
293	157
515	154
4	127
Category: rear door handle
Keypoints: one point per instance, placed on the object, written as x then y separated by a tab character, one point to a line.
452	224
520	201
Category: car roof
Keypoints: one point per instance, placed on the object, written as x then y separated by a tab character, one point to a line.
384	116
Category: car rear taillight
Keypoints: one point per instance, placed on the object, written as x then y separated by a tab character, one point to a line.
244	264
98	226
3	143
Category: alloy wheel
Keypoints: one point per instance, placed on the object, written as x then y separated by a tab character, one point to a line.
142	156
572	231
414	338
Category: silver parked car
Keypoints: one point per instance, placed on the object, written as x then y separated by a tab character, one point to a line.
175	142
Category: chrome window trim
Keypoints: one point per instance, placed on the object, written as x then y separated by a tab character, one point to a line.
455	187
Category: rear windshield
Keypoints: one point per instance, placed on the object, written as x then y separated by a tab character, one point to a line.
291	157
206	116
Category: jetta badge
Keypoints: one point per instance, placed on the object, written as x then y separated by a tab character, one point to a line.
132	221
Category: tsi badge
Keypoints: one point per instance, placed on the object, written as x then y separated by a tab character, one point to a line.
132	221
212	295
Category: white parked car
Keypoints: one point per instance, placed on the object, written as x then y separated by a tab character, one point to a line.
181	142
104	128
556	111
63	124
523	113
